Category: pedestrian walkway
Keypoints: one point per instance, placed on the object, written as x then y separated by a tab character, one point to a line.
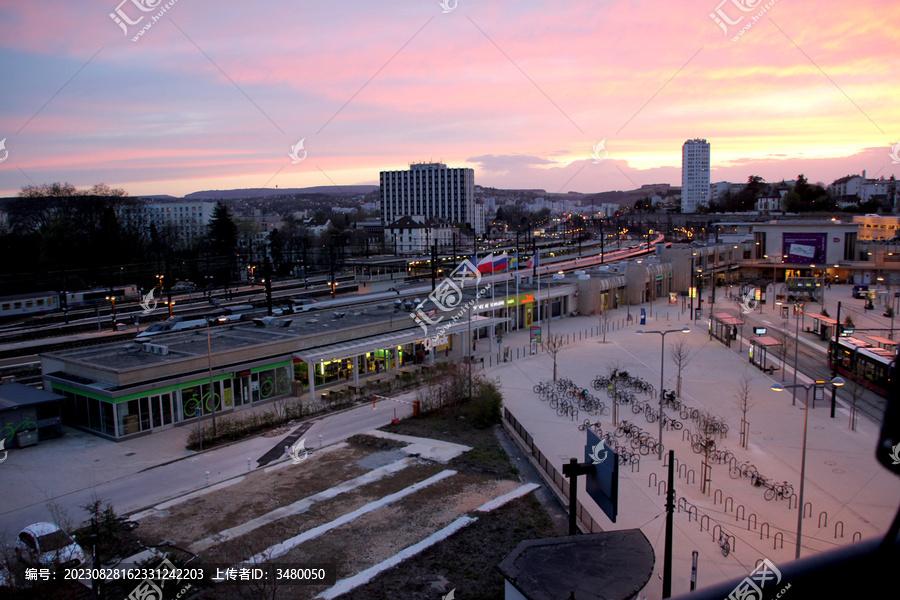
851	495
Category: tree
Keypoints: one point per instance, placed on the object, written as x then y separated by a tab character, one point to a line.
707	430
743	401
605	317
856	388
681	354
787	345
222	232
552	345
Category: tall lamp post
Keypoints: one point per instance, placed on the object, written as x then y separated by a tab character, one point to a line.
662	364
798	311
836	382
112	300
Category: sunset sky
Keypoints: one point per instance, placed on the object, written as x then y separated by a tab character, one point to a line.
214	94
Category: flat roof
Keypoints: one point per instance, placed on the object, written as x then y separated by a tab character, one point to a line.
765	340
17	395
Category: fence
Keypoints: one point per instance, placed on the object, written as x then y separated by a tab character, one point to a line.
549	472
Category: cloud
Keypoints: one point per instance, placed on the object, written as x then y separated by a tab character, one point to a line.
503	163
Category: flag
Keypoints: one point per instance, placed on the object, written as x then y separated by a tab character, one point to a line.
464	266
534	261
501	263
486	264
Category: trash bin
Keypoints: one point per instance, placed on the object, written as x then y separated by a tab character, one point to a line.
27	438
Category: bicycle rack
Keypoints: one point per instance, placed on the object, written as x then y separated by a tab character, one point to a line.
684	501
707	522
726	503
661	488
732	542
695	511
717	496
719	527
685	433
691	476
795	499
823	514
766	525
636	463
836	523
651	480
779	536
739	512
682	469
751	520
857	538
805	506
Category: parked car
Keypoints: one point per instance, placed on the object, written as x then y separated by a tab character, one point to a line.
46	545
860	291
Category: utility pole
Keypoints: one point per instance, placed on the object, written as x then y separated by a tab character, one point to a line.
670	514
833	354
433	266
267	270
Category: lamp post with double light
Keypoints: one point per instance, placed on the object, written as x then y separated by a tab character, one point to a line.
836	382
662	364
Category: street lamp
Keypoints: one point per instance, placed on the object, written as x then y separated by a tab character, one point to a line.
662	364
836	382
112	299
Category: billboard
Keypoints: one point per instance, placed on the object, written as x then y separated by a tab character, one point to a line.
602	484
804	247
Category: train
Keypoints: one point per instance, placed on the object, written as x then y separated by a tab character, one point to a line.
862	362
36	303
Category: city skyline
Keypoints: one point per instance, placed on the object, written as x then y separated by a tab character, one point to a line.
231	96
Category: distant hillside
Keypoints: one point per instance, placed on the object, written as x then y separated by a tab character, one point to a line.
331	190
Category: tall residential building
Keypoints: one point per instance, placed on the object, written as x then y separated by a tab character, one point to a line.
189	218
694	175
432	191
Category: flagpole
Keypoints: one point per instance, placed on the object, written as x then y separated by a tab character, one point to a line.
517	288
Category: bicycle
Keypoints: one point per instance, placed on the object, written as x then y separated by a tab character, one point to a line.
778	491
724	545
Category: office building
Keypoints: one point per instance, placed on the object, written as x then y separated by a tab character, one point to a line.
432	191
694	175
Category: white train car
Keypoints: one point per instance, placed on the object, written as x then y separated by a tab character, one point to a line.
35	303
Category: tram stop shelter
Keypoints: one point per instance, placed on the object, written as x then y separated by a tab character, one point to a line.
724	327
759	352
822	326
611	565
883	342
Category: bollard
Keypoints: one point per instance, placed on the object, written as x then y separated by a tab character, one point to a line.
248	465
207	478
320	441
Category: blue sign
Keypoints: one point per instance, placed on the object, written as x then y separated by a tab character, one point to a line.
602	484
643	317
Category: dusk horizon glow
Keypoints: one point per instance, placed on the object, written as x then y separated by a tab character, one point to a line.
215	95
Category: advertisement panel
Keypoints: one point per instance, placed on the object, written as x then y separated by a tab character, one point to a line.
804	247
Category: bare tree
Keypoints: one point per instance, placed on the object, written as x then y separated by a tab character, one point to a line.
605	317
552	345
855	388
743	400
682	355
707	430
787	345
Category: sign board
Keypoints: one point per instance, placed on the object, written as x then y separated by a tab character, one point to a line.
602	484
643	317
673	298
759	331
535	333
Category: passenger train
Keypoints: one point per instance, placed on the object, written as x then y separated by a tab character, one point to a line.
35	303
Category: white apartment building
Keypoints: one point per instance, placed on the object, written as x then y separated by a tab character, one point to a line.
416	235
433	191
694	175
189	219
